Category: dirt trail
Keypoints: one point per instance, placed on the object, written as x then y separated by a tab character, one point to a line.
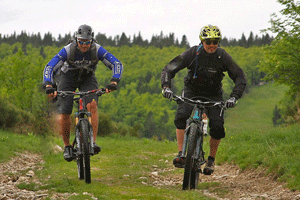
20	170
228	182
249	184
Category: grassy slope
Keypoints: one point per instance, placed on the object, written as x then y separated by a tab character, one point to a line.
123	168
253	141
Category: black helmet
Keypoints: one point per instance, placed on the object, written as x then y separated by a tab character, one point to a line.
85	32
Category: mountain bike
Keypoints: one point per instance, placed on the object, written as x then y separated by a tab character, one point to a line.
192	151
83	143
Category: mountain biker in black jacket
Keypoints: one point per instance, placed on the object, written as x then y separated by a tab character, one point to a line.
206	65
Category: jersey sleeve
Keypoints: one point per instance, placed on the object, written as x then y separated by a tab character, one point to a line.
53	65
237	75
178	63
112	63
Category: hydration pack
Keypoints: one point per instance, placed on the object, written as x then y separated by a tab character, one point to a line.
208	70
73	49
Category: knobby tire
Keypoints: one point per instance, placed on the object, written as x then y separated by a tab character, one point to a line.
84	129
191	173
80	166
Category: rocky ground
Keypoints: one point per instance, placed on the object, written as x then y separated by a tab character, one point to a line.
20	170
229	182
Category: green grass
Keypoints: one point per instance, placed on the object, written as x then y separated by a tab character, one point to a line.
11	143
123	168
253	141
121	171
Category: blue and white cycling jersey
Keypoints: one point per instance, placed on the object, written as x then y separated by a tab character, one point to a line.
62	61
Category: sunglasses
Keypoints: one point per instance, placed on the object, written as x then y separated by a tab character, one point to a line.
86	43
215	42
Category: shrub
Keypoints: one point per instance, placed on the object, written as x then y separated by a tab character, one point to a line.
10	114
277	117
105	126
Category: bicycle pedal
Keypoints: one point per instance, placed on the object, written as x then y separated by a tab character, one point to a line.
179	165
199	170
207	172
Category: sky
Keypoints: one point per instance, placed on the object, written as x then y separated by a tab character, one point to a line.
149	17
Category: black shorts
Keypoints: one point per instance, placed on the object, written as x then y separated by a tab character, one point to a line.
216	122
70	81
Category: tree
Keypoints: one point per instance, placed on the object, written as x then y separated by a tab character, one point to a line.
282	57
48	39
138	40
184	43
243	42
124	40
224	42
250	40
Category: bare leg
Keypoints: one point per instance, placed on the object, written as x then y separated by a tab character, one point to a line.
214	144
180	138
64	120
92	107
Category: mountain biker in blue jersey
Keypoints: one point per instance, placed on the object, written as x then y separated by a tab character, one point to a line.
73	67
206	65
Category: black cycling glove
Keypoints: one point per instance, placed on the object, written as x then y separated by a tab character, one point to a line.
167	93
111	87
50	90
231	102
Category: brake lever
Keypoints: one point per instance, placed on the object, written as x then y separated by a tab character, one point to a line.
222	109
63	94
101	92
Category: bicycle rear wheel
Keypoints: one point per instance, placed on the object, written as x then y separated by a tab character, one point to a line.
191	172
84	129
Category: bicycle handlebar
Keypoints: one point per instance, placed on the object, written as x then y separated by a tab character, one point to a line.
199	102
209	103
99	92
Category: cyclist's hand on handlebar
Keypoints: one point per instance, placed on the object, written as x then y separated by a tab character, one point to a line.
111	87
231	102
167	93
51	91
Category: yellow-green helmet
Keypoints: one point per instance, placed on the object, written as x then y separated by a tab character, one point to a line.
210	32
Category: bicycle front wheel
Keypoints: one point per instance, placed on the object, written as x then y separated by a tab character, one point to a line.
84	129
191	172
79	157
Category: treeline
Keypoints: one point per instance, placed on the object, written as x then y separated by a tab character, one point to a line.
248	42
137	108
48	40
159	41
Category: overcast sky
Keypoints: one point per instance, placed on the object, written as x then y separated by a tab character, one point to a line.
150	17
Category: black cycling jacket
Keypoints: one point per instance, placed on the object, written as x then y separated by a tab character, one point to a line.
205	71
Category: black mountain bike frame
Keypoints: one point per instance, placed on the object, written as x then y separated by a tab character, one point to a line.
192	151
83	143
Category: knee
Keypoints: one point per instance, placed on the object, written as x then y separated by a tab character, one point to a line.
64	119
217	130
92	106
